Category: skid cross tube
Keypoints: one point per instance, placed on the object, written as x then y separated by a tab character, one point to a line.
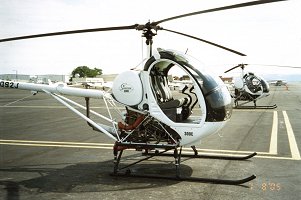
118	150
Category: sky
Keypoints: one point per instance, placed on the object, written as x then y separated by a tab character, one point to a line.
268	34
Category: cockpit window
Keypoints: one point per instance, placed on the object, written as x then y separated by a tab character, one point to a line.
217	96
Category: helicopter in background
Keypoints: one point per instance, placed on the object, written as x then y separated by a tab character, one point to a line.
154	119
249	87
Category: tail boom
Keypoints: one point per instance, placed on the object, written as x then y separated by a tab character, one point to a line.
58	89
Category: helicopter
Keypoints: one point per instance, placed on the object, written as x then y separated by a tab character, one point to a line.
155	120
249	87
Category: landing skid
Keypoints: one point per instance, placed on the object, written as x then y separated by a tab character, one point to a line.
189	179
256	107
126	172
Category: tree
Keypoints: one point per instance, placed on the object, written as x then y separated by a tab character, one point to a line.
84	71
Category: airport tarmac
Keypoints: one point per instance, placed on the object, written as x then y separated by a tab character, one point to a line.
47	152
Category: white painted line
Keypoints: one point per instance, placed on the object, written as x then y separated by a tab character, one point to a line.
17	101
274	134
291	137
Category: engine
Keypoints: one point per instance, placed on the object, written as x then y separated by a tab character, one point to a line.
138	127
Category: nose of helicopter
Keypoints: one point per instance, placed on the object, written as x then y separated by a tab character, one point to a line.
219	104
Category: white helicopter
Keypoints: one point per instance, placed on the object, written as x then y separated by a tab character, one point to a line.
249	88
154	118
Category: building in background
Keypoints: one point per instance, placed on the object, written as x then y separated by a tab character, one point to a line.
227	80
15	77
108	77
36	78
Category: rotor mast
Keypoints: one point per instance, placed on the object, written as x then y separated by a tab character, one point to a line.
242	66
149	31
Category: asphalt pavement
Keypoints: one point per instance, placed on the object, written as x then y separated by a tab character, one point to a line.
47	152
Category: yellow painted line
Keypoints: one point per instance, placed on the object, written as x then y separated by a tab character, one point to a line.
92	107
216	154
274	134
110	146
54	145
33	107
291	137
276	157
120	107
251	110
228	151
54	142
257	156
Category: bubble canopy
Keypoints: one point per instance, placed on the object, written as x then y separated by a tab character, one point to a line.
217	97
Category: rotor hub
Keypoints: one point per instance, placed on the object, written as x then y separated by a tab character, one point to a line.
148	31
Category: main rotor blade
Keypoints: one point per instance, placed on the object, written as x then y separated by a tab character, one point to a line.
252	3
240	65
283	66
231	68
70	32
211	43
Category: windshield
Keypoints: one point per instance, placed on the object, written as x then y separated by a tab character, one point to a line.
216	94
